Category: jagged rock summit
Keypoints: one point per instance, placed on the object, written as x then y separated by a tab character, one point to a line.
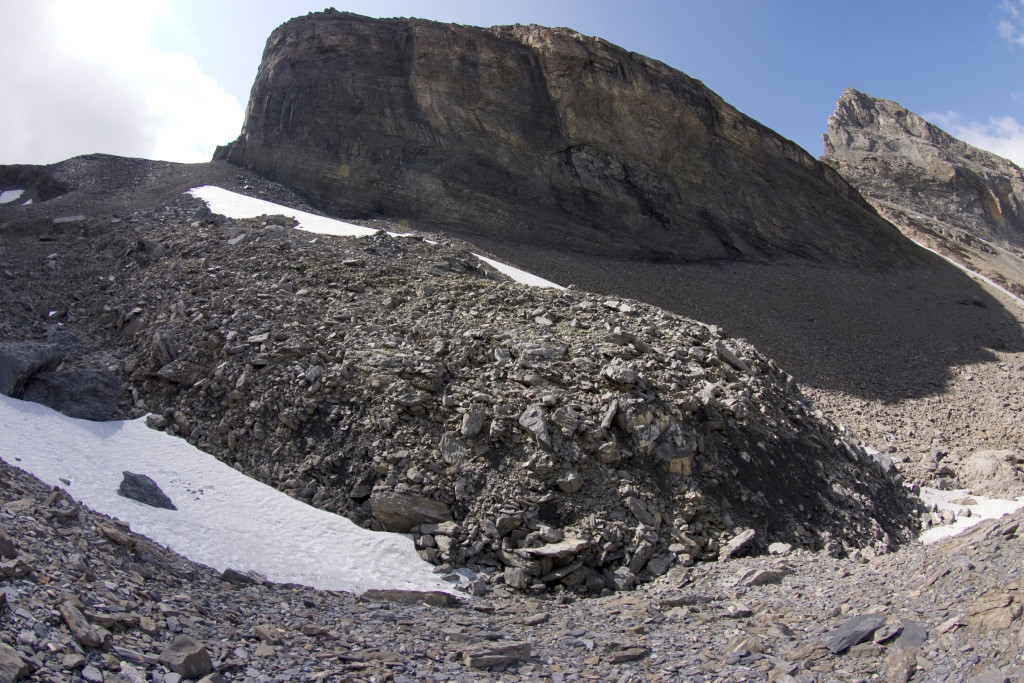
539	136
961	200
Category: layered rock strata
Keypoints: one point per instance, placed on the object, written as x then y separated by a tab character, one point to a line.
961	200
540	136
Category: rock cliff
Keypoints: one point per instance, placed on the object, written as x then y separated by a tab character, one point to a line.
961	200
540	136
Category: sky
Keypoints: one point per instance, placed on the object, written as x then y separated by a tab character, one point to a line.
169	79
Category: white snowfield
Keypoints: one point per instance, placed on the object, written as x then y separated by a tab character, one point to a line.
224	519
985	508
10	195
235	205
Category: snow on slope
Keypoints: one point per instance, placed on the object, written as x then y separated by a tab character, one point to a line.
224	518
984	508
234	205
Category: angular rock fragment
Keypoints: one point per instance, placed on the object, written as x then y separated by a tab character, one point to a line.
403	511
143	489
187	656
737	545
408	597
852	632
486	656
534	421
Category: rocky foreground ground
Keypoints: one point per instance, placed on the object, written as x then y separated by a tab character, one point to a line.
85	599
602	465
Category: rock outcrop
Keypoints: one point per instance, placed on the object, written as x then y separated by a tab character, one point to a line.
540	136
963	201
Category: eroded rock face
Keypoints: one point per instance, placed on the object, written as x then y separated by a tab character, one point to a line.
964	201
539	135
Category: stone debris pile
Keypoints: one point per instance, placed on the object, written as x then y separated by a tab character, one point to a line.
544	438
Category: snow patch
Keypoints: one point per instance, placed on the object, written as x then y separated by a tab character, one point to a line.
520	276
985	508
235	205
8	196
224	518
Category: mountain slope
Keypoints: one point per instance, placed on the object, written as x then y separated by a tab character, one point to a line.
963	201
543	137
561	437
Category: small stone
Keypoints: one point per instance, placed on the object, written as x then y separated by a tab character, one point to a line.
628	654
779	548
534	421
92	674
900	664
267	634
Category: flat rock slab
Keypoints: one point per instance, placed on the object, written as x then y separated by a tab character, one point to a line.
434	598
403	511
853	631
563	549
486	656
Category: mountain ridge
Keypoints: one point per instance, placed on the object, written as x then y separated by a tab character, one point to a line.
508	131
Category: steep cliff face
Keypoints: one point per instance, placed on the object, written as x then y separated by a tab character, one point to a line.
964	201
539	135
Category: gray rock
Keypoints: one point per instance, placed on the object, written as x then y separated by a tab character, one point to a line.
84	394
912	634
19	361
403	511
535	422
12	666
143	489
739	543
187	657
486	656
639	510
852	632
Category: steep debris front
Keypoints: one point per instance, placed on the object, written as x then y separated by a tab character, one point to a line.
557	437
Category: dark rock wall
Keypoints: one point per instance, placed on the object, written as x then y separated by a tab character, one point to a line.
539	135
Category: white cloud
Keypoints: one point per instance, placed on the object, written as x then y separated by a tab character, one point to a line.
1011	25
1003	136
81	77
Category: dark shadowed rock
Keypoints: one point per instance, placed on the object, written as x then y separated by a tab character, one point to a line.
143	489
19	361
85	394
539	135
853	631
403	511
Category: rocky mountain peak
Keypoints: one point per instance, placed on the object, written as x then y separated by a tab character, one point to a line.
961	200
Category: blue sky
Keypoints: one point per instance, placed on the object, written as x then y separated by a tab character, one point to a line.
170	78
